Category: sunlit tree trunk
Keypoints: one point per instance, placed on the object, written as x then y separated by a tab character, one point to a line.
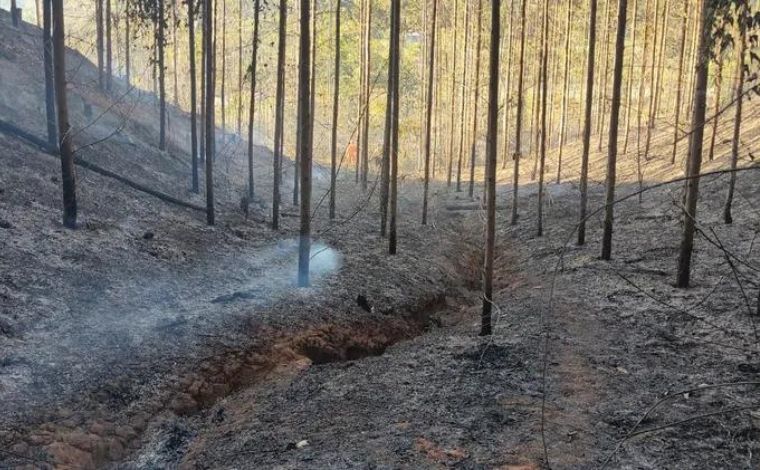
617	85
543	130
631	74
429	112
491	150
475	115
127	44
252	107
109	47
716	97
602	107
279	116
335	112
587	121
160	40
305	122
508	86
99	42
366	87
679	85
565	90
462	95
454	54
694	162
519	116
193	94
240	70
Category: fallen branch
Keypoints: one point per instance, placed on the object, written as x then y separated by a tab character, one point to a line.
45	148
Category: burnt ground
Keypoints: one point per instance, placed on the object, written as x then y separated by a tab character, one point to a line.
146	339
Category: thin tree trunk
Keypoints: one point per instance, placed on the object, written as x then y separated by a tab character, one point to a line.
716	119
462	101
210	56
127	44
740	45
222	91
394	70
240	70
694	164
617	85
602	108
202	125
491	150
305	122
679	86
252	108
109	48
366	87
587	120
160	39
335	112
565	90
660	70
631	69
544	100
429	113
518	118
508	87
193	94
99	41
475	116
175	46
657	72
47	60
454	53
279	115
68	177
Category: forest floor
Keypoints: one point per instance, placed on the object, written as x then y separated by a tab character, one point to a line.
146	339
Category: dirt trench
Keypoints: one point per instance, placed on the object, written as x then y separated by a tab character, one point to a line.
102	435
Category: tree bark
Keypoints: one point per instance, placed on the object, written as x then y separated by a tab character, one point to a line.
491	150
718	89
305	122
193	95
475	116
335	113
396	52
543	131
741	52
47	60
602	107
454	53
210	56
464	88
252	106
587	120
519	119
161	40
565	89
366	88
508	86
631	69
278	126
429	113
617	82
68	176
109	46
99	42
694	163
679	85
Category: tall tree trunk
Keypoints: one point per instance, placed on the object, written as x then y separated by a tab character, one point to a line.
47	60
518	118
385	172
193	94
716	119
644	72
543	131
335	113
240	70
462	94
305	122
160	40
454	53
429	113
508	86
694	164
109	46
602	106
127	44
395	58
279	115
222	91
68	177
475	115
204	6
252	108
366	88
617	85
210	65
39	14
99	41
679	86
491	150
631	69
657	72
592	8
660	69
565	90
740	45
175	55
